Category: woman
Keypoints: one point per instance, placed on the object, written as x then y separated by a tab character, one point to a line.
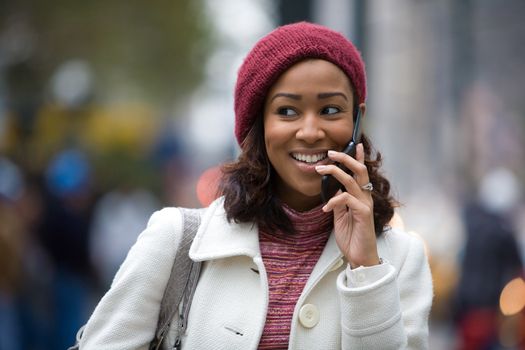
281	268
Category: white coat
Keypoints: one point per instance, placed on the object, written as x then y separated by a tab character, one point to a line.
383	307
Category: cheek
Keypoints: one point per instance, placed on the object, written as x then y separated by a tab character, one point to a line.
343	139
274	137
342	136
275	143
273	153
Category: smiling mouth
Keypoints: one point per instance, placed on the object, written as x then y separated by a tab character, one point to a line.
309	158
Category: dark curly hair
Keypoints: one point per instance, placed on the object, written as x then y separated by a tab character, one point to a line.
247	183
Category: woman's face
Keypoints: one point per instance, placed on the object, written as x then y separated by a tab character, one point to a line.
307	112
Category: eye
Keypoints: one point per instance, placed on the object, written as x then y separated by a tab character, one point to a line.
330	110
286	111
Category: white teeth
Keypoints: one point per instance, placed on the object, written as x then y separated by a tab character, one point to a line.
309	158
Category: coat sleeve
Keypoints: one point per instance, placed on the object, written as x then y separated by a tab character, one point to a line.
126	317
392	311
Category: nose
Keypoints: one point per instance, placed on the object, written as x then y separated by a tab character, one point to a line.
310	129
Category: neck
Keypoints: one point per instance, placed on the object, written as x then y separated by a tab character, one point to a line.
303	204
296	200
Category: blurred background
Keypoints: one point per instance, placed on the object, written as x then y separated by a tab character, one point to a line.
111	110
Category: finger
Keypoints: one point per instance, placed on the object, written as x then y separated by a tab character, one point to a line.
340	175
362	178
357	166
335	207
349	182
360	153
345	200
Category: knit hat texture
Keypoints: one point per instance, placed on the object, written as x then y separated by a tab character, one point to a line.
278	51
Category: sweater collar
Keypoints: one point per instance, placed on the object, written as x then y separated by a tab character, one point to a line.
313	223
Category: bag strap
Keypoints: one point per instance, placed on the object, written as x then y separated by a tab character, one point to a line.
181	284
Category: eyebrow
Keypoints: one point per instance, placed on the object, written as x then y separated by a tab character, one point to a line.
321	95
331	94
285	94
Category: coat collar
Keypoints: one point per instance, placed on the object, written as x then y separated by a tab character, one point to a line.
217	238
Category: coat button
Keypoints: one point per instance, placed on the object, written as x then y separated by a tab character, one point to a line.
336	265
309	315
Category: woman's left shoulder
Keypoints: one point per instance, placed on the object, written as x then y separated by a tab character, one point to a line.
395	235
397	245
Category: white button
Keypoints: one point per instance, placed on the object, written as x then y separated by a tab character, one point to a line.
309	315
337	265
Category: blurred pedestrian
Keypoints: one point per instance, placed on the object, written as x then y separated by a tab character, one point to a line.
64	233
11	244
490	259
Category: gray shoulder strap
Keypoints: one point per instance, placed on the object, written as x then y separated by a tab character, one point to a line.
182	282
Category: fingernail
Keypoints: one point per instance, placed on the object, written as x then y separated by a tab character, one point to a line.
320	167
331	153
325	208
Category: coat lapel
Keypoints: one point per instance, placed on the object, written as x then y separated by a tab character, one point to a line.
217	238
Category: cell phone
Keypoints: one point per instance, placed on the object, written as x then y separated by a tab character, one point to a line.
329	184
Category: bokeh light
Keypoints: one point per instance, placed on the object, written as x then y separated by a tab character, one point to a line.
207	185
512	299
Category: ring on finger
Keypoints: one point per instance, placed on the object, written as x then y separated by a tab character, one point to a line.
368	187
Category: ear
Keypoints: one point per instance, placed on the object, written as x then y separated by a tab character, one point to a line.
362	107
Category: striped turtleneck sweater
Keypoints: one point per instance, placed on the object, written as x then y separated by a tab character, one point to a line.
289	259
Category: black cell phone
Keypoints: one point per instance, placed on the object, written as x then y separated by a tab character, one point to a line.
329	184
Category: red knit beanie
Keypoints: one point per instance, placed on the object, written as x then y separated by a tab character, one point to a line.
278	51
